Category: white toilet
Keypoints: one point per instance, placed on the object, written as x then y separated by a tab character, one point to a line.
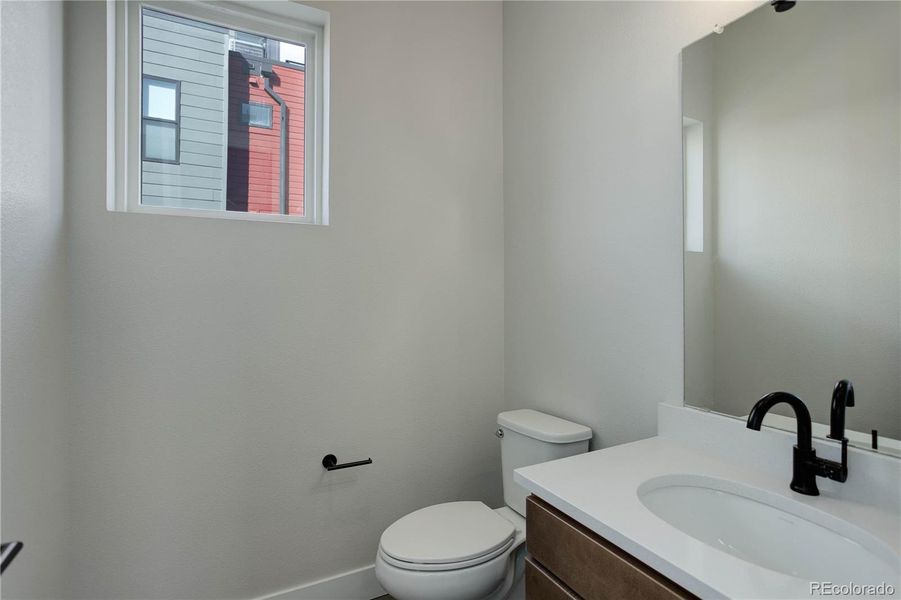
465	550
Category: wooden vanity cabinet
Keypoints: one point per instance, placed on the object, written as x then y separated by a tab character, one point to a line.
568	561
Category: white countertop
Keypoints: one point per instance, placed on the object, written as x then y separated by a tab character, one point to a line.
599	489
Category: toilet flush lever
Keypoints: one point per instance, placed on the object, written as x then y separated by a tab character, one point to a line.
499	433
330	462
8	552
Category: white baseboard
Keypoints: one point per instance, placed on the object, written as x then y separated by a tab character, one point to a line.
359	584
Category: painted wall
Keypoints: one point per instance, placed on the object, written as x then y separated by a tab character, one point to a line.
177	49
593	207
808	209
207	384
33	334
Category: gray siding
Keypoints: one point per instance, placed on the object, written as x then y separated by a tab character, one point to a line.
198	58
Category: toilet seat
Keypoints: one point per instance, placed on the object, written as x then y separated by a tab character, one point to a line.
448	536
415	566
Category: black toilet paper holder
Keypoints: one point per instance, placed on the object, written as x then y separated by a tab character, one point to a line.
330	462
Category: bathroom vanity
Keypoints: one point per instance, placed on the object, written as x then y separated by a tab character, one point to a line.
567	560
704	509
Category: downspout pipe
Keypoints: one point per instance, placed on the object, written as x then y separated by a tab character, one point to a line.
283	145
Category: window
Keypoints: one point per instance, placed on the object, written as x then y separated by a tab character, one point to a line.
256	114
233	110
693	183
160	120
248	44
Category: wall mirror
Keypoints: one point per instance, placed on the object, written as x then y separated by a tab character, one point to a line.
792	189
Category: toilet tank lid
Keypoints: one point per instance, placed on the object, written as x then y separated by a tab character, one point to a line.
543	427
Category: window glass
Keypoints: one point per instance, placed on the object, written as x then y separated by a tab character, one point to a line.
228	109
159	141
159	99
258	115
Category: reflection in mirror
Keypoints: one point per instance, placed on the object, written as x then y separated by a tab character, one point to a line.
792	187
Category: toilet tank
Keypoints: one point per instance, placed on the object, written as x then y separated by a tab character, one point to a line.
529	437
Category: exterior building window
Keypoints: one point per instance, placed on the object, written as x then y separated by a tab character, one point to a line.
160	116
233	111
256	114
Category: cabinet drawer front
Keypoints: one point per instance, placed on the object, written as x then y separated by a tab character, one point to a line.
541	585
592	567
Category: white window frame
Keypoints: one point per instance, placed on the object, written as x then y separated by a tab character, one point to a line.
279	19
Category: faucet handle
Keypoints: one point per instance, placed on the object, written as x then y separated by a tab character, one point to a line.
836	471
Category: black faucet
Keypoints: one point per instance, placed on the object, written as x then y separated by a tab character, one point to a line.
804	479
806	466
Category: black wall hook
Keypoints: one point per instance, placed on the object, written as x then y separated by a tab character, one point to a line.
330	462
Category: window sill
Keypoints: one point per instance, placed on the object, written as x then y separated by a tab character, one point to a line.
220	214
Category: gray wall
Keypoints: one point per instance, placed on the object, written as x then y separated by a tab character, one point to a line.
207	383
593	207
198	58
33	334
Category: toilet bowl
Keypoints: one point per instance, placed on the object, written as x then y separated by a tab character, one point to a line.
466	550
452	551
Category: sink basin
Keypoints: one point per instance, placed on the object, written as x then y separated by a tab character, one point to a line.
770	530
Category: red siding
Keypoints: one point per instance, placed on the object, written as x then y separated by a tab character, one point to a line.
253	152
